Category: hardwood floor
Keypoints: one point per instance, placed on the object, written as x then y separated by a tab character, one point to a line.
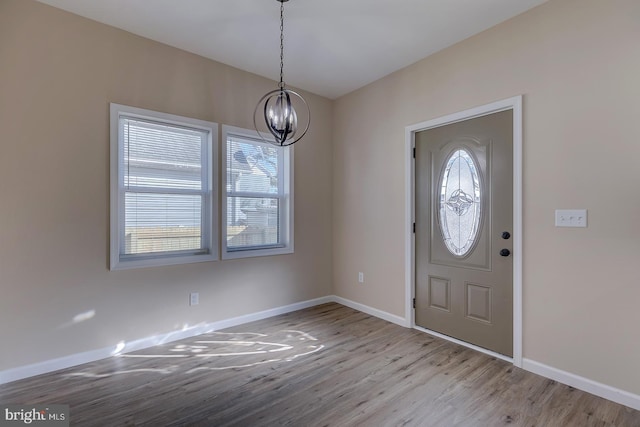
324	366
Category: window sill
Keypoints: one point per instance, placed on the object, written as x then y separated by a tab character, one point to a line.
159	262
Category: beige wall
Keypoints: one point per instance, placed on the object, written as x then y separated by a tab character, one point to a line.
577	63
58	73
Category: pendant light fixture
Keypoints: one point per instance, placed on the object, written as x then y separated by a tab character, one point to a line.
278	107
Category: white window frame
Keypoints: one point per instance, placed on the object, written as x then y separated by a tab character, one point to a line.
285	176
117	212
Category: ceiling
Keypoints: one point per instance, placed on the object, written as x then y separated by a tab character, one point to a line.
332	47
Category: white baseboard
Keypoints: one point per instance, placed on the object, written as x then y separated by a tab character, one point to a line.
607	392
27	371
372	311
252	317
610	393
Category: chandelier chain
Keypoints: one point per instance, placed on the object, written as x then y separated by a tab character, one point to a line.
281	84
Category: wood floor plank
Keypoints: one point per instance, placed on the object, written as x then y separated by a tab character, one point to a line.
327	365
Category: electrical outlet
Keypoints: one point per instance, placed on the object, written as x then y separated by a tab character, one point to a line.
571	217
194	298
361	277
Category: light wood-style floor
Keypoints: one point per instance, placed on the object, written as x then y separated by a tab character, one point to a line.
324	366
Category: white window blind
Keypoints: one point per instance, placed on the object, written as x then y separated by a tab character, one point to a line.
164	189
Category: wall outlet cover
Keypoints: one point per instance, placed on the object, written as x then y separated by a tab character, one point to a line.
194	298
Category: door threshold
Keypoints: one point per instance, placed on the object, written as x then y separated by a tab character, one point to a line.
465	344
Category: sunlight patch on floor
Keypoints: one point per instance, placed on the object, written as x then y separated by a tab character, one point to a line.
217	351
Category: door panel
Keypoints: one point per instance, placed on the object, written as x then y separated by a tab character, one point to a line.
464	203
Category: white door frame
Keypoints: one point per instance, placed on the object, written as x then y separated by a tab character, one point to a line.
515	104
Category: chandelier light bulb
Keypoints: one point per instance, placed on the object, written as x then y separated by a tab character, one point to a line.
281	117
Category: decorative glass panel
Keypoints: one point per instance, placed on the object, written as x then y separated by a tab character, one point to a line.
460	206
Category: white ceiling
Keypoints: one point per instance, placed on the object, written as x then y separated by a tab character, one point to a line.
332	47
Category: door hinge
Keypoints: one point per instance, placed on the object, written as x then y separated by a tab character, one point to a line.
414	152
414	303
414	227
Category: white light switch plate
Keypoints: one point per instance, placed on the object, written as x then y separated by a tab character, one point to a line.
571	217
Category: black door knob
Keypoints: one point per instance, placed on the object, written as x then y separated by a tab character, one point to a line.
506	235
505	252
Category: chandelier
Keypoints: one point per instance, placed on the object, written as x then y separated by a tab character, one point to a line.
278	107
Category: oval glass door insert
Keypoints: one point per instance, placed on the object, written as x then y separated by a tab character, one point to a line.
460	207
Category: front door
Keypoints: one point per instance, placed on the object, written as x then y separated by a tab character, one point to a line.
464	220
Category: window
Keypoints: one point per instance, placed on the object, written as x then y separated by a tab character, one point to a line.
460	203
258	207
162	202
